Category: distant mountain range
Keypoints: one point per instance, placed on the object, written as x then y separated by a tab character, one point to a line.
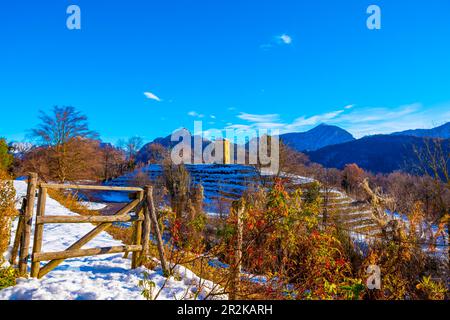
148	152
442	132
377	154
314	139
334	147
384	153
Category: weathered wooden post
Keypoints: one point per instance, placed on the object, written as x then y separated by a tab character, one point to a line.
28	220
238	209
38	231
19	232
147	226
154	221
137	234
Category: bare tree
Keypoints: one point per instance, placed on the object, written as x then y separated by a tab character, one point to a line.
131	146
35	160
61	131
352	177
434	159
292	161
178	184
62	125
330	179
113	161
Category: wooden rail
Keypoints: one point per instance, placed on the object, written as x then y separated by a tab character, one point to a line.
145	216
84	219
90	187
84	252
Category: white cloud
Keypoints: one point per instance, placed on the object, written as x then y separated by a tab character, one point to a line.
279	40
259	117
286	39
238	126
195	114
302	122
152	96
359	121
362	121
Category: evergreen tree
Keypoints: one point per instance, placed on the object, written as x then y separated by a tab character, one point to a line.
6	159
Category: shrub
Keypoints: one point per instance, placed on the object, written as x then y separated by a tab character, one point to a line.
8	277
284	242
6	159
7	210
431	290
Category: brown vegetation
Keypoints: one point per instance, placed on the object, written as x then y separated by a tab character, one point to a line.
7	210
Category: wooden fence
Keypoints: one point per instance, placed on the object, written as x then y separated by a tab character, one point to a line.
143	219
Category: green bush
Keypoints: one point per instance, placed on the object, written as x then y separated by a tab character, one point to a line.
6	159
7	277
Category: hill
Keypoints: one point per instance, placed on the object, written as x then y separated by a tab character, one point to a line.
314	139
153	150
377	154
442	132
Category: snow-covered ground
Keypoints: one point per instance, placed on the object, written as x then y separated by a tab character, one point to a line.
93	205
107	277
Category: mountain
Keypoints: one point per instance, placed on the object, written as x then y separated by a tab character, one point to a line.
314	139
377	154
153	150
442	132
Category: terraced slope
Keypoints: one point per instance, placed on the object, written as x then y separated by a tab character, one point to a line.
350	214
224	183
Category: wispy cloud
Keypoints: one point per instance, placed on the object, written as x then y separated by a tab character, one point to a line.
279	40
303	122
152	96
195	114
239	127
259	117
362	121
359	120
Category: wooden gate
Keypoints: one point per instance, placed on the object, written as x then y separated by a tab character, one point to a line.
142	220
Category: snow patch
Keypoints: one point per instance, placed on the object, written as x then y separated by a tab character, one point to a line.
106	277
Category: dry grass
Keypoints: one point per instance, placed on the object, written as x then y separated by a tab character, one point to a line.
200	266
71	202
7	211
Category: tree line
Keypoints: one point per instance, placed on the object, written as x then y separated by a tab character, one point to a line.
66	149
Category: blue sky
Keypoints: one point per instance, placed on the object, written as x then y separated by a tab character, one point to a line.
280	64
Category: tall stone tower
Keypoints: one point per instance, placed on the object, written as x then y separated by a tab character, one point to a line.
226	152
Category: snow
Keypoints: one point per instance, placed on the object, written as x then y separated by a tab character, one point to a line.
107	277
93	205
